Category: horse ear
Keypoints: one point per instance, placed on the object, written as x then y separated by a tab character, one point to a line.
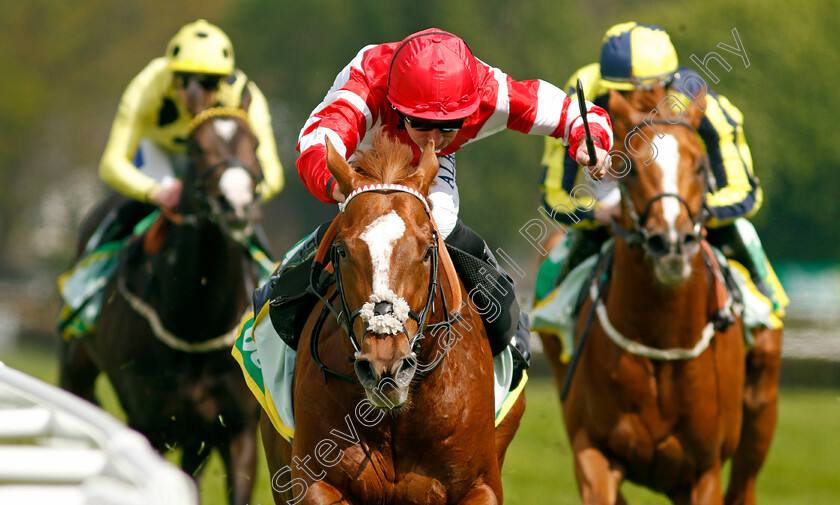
427	169
245	99
344	175
623	114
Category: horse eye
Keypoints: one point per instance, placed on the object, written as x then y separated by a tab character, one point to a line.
342	252
630	170
428	254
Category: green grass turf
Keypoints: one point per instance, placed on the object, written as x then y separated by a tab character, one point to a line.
803	467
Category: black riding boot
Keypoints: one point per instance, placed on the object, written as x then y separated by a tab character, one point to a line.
583	244
287	288
511	325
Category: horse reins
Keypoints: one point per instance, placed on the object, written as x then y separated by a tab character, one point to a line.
190	219
639	236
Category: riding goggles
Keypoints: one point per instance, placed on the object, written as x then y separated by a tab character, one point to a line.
209	82
427	125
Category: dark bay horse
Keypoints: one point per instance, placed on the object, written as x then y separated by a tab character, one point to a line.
659	394
171	310
394	417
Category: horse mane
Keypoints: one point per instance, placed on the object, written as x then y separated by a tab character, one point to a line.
386	161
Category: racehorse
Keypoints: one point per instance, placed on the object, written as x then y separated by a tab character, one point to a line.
173	305
658	396
393	400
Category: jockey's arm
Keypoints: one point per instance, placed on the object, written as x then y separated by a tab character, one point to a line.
260	120
539	107
562	170
344	115
738	192
561	174
312	162
135	111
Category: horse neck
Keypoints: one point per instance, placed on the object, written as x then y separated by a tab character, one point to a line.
201	275
674	315
467	333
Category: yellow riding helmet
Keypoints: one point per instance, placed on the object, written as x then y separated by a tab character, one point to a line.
636	56
200	47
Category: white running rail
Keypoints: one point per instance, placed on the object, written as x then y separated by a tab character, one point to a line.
56	448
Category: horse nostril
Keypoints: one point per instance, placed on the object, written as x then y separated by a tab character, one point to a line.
690	241
404	371
658	244
365	373
383	309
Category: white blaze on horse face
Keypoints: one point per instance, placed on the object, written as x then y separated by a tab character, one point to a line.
235	184
669	162
380	237
225	128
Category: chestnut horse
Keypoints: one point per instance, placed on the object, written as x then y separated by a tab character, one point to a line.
658	396
412	421
166	327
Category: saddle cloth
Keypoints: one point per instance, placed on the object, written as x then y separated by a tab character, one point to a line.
556	312
82	287
268	364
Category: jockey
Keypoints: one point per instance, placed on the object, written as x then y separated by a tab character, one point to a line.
640	62
146	148
430	86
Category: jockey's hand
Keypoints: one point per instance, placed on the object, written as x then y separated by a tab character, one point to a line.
169	194
337	195
599	168
604	213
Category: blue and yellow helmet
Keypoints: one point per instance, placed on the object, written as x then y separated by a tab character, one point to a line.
637	56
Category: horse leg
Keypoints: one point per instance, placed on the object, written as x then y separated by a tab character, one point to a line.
706	491
278	455
77	370
193	458
507	428
598	478
321	493
240	458
480	495
761	394
553	348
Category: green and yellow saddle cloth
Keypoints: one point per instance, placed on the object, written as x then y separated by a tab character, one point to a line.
268	361
82	287
555	310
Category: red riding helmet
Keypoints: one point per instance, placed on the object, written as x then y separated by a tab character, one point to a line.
433	76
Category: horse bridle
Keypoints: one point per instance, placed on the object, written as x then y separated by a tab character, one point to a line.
639	235
200	180
347	316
